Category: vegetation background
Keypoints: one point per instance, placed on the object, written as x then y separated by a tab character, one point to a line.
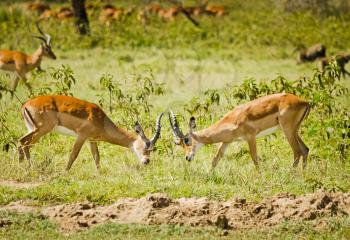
136	71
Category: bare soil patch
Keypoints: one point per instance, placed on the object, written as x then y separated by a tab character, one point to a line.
21	206
15	184
232	214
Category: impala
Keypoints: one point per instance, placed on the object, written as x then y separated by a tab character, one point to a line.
247	122
342	59
86	121
312	53
38	7
21	64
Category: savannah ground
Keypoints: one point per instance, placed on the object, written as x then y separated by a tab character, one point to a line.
173	65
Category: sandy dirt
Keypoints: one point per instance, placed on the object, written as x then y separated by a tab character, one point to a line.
15	184
158	208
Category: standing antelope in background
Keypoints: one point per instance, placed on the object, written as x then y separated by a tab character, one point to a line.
312	53
21	63
341	59
85	121
257	118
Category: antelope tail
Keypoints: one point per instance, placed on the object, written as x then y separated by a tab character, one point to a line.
28	117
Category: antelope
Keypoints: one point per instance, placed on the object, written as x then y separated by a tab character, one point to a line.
110	13
106	13
38	7
48	14
215	10
254	119
195	10
85	121
170	13
21	63
342	59
65	13
312	53
153	8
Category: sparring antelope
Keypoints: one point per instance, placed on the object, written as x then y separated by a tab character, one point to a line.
83	120
247	122
21	63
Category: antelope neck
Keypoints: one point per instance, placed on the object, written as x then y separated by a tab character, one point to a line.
35	59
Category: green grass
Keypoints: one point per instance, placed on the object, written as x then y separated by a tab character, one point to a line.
252	43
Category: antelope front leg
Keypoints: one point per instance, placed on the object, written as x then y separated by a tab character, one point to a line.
252	148
28	85
95	154
221	151
14	86
76	149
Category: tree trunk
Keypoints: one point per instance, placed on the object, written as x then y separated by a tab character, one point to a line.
81	19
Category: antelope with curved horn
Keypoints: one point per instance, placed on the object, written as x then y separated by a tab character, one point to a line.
84	120
257	118
21	63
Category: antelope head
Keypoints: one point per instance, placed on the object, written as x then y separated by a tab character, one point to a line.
186	141
144	146
46	43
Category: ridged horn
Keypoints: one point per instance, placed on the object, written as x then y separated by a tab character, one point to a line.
158	128
177	133
140	132
45	37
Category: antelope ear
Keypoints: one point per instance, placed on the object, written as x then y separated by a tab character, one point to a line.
138	128
192	123
140	132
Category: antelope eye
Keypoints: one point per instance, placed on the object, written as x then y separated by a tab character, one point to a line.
187	140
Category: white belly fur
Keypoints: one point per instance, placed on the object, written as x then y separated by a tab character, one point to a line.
267	131
65	131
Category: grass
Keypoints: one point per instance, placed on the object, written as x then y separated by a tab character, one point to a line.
187	61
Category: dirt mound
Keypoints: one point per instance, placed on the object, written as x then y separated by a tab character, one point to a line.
233	214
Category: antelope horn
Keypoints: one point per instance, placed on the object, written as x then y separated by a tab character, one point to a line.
158	128
40	37
48	42
36	36
173	129
140	132
46	37
175	126
40	31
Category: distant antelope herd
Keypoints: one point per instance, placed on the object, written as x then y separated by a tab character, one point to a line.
88	122
317	52
110	13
